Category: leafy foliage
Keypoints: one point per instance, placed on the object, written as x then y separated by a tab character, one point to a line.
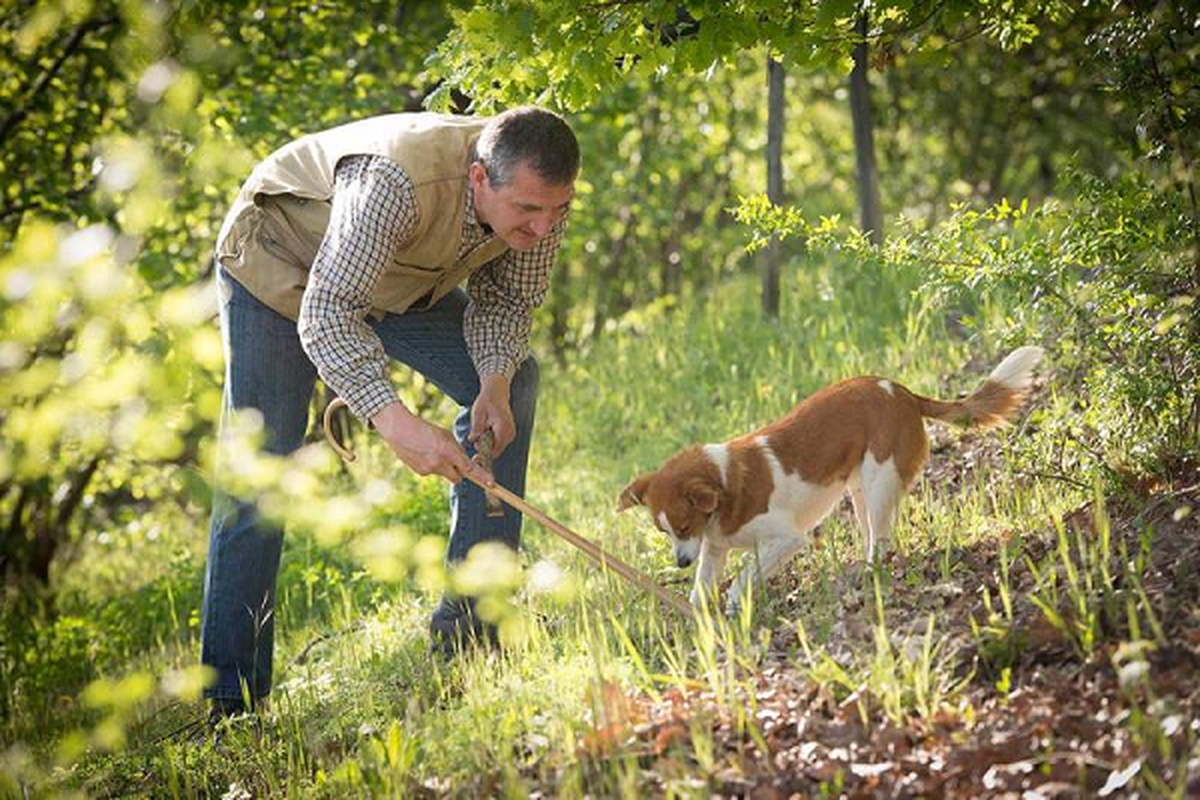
570	55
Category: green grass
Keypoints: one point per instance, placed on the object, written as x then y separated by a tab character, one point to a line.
361	708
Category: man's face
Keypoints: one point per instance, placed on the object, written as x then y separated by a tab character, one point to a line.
522	211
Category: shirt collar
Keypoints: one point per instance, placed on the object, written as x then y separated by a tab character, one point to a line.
470	220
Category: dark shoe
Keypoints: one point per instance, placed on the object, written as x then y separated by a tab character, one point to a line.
455	626
229	720
224	710
221	709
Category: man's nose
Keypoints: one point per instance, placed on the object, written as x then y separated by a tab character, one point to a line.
540	226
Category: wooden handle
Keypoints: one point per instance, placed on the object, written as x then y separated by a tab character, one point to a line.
634	576
590	548
484	450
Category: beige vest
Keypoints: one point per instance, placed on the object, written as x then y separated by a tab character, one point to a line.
271	234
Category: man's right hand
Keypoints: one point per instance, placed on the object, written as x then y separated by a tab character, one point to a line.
425	448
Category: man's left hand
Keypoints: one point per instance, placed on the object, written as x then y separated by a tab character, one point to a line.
492	411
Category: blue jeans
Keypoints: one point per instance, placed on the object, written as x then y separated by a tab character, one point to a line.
266	369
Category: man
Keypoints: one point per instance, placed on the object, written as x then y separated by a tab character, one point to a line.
346	248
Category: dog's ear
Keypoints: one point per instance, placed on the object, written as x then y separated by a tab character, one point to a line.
634	494
703	495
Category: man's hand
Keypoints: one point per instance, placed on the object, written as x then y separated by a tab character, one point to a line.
425	448
492	411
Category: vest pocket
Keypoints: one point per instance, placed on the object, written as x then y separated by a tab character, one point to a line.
270	242
293	227
268	271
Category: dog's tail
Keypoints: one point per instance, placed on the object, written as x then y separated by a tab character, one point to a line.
992	403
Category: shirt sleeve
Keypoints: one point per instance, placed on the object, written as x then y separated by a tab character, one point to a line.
503	296
372	213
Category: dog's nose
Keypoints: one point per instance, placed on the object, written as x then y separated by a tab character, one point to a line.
683	560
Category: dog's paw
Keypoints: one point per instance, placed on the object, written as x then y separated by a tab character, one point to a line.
733	603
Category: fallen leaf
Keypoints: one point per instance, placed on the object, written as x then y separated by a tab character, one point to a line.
871	770
1118	778
668	736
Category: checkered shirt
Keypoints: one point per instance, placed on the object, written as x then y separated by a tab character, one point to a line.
373	213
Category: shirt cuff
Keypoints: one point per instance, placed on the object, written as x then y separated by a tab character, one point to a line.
497	364
369	399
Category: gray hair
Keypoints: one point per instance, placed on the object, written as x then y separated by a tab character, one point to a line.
532	136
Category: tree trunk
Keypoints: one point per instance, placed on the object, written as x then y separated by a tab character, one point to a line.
773	256
608	288
560	306
55	529
870	207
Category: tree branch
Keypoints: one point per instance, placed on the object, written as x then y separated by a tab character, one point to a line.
6	212
79	484
30	94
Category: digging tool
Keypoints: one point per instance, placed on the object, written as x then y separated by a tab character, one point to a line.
590	548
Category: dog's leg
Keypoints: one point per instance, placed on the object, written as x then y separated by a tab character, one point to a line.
770	556
708	571
846	583
883	489
858	499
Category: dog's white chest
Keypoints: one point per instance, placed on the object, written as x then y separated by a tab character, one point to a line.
795	507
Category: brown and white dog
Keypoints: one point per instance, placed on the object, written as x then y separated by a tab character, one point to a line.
767	490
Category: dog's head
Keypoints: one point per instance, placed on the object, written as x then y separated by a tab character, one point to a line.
682	496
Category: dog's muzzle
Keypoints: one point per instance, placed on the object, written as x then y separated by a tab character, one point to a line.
686	551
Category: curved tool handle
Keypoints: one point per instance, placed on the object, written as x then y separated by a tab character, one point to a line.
346	454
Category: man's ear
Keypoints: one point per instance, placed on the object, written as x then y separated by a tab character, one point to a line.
634	494
476	174
703	495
